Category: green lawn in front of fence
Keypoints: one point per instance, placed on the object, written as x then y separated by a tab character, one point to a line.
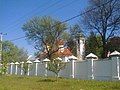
42	83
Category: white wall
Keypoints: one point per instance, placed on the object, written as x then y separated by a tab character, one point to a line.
81	70
102	69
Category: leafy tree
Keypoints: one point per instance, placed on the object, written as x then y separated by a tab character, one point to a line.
104	20
56	65
93	44
72	45
23	55
113	44
11	53
44	33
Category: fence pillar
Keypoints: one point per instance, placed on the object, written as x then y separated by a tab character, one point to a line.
115	56
46	69
29	63
46	61
21	70
16	67
90	69
11	67
91	57
1	67
73	68
72	59
36	66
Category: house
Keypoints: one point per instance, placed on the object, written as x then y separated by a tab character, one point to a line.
63	52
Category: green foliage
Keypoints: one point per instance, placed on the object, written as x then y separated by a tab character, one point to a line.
93	44
3	69
25	67
44	32
12	53
22	55
113	44
72	45
56	65
104	20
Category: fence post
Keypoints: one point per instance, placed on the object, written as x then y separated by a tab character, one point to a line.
1	67
46	61
115	56
21	71
36	66
72	59
91	57
11	67
28	62
16	67
73	68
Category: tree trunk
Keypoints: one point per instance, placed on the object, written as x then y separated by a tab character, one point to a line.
104	49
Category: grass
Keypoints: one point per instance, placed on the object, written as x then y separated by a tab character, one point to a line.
42	83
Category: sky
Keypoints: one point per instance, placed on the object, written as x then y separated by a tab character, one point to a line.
14	13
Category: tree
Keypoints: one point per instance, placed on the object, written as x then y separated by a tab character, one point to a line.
56	65
93	44
44	33
11	53
113	44
71	42
22	55
25	67
104	20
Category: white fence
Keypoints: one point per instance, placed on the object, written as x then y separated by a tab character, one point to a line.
107	69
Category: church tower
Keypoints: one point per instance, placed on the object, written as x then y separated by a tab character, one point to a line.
80	42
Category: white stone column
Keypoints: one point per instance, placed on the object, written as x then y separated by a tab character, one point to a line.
36	66
46	69
115	56
28	62
118	68
92	69
72	59
16	67
28	70
46	61
11	67
91	57
21	71
73	69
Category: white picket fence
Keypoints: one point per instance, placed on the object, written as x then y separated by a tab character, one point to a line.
107	69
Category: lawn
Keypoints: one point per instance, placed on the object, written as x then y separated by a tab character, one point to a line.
42	83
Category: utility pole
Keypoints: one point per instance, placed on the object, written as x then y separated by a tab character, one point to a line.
1	39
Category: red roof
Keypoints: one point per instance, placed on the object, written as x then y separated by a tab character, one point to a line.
61	52
64	52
